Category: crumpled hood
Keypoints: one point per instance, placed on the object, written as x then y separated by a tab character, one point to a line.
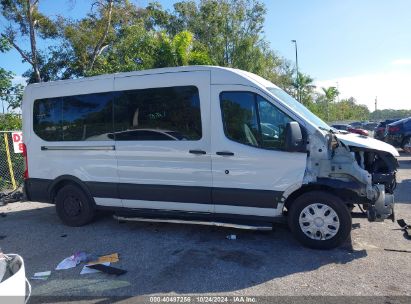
356	140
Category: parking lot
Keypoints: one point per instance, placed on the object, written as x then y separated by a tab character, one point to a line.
172	259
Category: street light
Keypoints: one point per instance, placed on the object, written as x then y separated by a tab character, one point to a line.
296	64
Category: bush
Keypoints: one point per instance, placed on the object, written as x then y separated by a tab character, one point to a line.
10	122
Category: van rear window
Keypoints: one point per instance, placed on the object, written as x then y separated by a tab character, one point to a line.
74	118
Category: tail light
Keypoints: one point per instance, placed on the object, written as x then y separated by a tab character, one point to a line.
26	170
364	132
393	129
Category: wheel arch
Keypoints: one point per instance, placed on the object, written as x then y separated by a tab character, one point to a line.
349	191
64	180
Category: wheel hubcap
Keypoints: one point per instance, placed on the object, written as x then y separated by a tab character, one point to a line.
319	221
72	206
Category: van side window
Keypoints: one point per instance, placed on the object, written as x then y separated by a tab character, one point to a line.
88	117
272	123
74	118
250	119
240	117
171	113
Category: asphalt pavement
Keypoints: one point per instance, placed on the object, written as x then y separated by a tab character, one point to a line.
198	261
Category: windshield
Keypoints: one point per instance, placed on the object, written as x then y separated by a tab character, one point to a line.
299	108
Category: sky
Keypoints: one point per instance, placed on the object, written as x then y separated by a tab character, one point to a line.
362	47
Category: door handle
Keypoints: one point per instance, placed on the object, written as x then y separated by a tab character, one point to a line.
225	153
198	152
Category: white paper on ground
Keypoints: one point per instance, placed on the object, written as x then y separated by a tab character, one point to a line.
39	278
67	263
42	274
87	270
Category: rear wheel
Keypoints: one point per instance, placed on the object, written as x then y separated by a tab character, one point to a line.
406	141
319	220
73	206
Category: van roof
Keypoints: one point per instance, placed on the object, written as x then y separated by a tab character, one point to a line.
217	71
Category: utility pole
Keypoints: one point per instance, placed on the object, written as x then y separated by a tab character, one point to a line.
376	103
296	65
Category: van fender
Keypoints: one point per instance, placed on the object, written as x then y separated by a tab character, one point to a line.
290	190
349	191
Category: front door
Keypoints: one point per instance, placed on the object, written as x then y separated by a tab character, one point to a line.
163	141
251	169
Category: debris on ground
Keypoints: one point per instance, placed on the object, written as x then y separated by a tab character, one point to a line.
108	269
87	270
63	235
2	237
110	258
231	237
3	214
67	263
41	275
94	264
12	197
405	227
398	250
74	260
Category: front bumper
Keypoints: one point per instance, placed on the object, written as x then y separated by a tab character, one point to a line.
383	207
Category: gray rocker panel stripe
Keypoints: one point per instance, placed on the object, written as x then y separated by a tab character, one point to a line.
187	194
38	189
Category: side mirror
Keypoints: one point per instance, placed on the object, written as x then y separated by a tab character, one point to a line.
293	137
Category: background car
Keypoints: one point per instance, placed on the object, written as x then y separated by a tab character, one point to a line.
398	133
356	124
350	128
358	131
379	132
370	126
342	127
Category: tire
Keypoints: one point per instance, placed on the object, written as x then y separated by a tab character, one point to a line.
405	141
74	207
318	234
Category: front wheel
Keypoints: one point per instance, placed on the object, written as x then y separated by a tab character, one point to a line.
320	220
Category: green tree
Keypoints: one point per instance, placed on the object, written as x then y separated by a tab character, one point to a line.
9	94
10	122
139	49
26	23
231	31
390	114
331	94
178	51
304	85
119	36
84	41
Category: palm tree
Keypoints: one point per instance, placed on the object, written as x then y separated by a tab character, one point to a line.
304	86
330	94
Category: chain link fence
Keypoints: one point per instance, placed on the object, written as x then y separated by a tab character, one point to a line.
11	163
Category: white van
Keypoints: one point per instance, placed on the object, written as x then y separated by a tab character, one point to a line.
199	144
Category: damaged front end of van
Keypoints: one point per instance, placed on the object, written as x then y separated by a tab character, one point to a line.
359	169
